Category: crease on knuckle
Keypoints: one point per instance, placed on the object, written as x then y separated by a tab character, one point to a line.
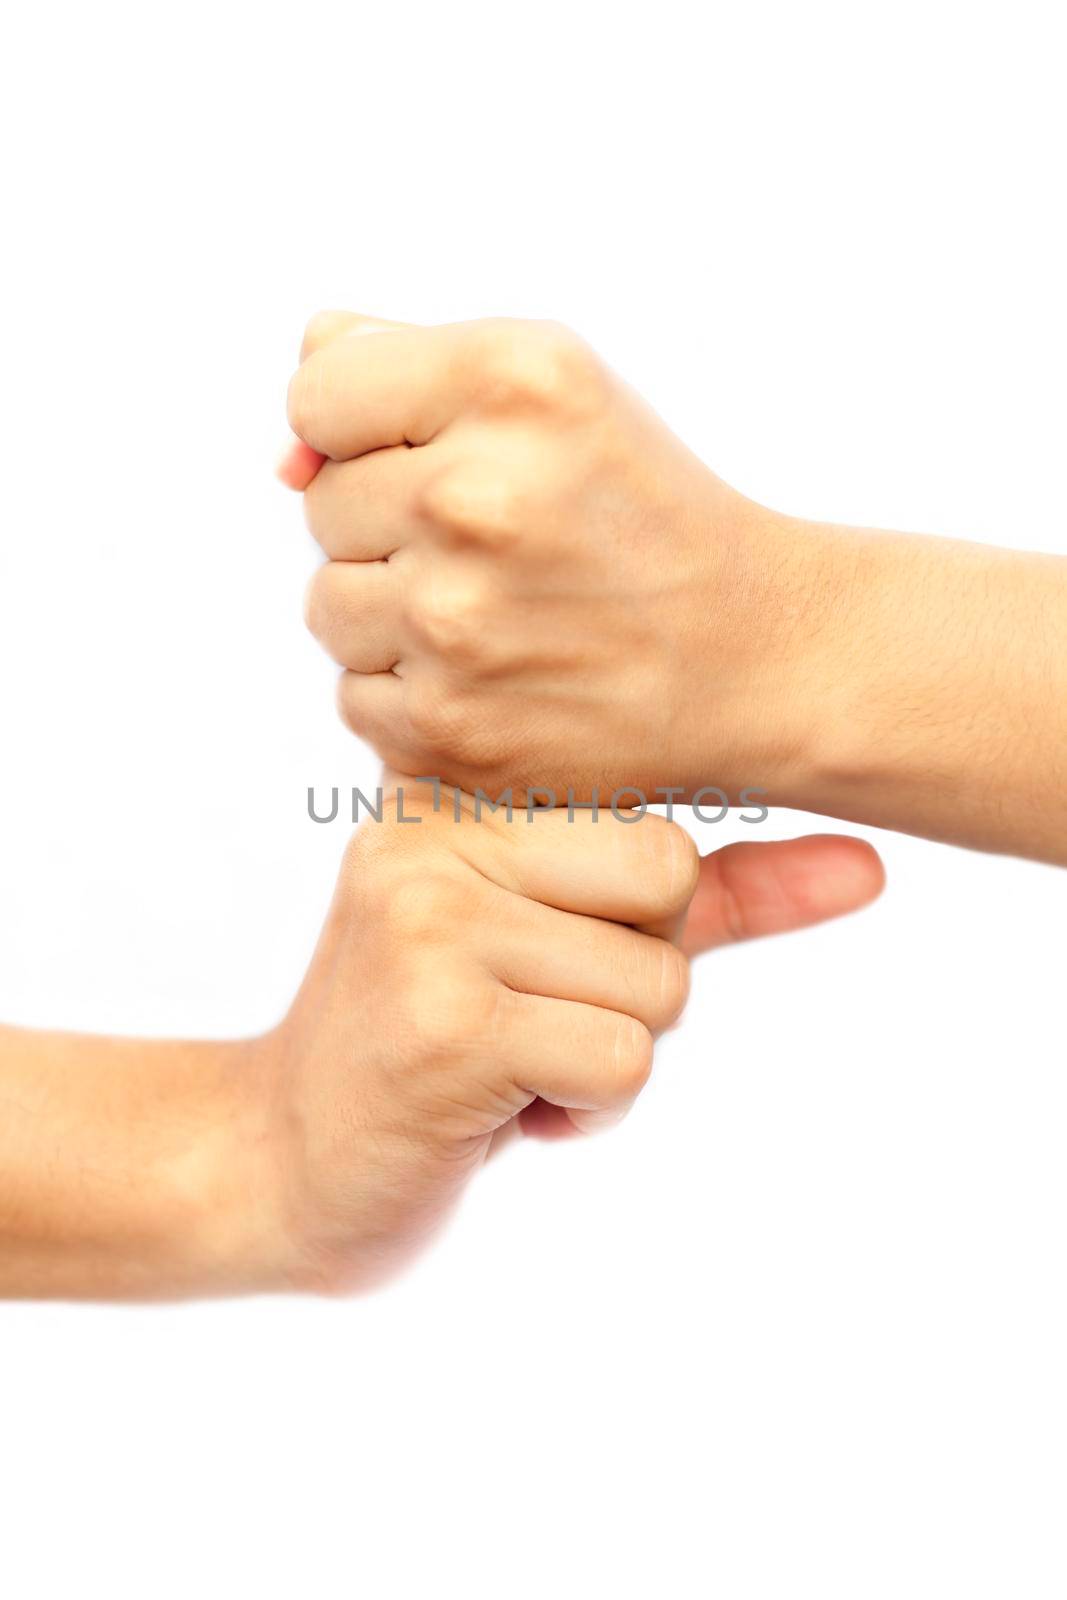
673	984
680	867
735	910
664	865
632	1057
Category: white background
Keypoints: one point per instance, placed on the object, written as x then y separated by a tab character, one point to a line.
799	1328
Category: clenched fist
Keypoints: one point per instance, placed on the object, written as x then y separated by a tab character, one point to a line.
469	972
531	580
472	977
477	973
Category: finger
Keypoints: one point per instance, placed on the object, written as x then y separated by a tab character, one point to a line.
373	706
391	388
298	464
643	871
535	949
592	1062
326	326
364	509
746	891
351	607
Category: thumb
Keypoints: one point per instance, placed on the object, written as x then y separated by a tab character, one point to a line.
746	891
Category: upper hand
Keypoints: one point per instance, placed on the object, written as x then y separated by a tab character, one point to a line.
530	578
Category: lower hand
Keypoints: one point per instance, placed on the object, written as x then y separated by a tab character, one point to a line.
479	974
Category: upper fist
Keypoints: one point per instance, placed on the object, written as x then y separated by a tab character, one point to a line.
525	564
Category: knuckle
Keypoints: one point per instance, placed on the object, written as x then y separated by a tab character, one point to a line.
541	363
673	984
449	618
685	869
474	503
442	501
363	717
445	723
439	719
439	1024
367	853
452	1017
319	329
358	852
404	878
631	1057
418	906
319	603
673	864
348	708
311	402
304	399
318	499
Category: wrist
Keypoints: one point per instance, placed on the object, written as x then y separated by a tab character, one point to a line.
842	584
780	683
288	1197
232	1191
864	656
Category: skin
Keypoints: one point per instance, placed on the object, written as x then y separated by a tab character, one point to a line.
531	581
471	979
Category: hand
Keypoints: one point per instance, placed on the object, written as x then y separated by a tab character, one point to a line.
531	579
464	984
533	583
476	973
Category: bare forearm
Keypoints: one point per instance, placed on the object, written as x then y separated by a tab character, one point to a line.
938	694
129	1168
586	606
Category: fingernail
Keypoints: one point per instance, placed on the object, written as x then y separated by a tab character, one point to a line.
298	464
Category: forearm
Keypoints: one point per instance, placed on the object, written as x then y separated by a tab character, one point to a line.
935	691
132	1168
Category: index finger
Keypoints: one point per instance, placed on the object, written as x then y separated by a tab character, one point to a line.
326	326
299	463
629	868
383	388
